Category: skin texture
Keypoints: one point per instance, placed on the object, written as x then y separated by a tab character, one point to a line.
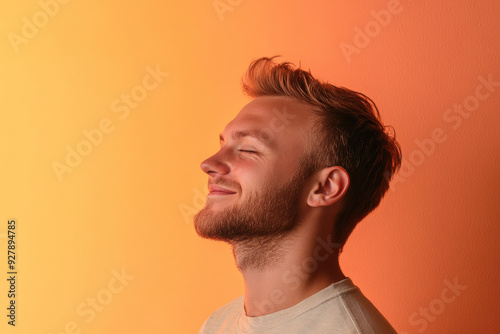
279	207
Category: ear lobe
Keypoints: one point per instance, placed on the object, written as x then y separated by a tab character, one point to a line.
331	185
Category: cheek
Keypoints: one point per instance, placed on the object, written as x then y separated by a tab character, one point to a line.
254	175
251	177
246	163
282	170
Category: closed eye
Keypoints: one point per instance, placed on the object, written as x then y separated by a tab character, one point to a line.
247	151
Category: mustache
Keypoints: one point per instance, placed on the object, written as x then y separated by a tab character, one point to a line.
231	185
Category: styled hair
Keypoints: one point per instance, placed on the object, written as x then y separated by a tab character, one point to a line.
348	132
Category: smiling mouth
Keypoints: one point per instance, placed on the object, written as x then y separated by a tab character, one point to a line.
219	192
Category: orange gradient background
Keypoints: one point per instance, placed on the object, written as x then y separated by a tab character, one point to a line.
128	204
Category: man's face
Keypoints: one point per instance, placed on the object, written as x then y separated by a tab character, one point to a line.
256	179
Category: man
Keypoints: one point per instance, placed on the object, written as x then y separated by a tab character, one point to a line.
298	168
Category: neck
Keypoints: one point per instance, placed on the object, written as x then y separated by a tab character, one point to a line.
279	272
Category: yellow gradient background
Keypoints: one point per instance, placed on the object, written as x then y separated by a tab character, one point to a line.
128	204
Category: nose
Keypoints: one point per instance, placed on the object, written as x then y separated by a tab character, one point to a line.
216	164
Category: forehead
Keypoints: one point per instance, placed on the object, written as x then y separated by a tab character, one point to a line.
277	118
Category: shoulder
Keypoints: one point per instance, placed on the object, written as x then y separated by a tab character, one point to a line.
225	314
357	310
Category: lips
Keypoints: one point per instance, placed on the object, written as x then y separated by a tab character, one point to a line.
217	190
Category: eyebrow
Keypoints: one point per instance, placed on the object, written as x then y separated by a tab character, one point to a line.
258	135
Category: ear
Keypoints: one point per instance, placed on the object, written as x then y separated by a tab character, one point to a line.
330	186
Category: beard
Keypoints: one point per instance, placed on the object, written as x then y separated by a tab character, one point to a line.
257	228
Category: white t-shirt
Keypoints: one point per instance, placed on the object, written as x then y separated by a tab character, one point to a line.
338	308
